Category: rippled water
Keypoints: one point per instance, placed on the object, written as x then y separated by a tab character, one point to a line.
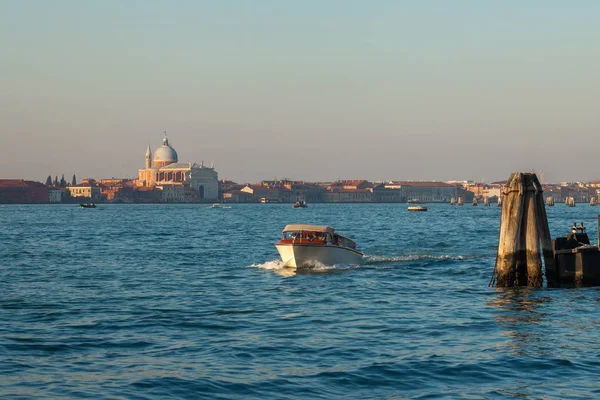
185	301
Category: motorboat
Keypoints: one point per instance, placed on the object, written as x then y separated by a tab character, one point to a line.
417	208
300	204
87	205
305	245
216	205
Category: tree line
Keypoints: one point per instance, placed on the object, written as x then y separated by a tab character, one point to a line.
61	183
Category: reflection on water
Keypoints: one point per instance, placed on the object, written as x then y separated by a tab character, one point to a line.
521	311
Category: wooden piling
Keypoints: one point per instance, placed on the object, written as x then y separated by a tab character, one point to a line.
523	226
510	232
546	240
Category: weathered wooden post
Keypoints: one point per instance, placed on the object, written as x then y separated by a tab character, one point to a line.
546	239
523	225
510	231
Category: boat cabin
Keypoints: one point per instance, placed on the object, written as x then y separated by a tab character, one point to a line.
314	234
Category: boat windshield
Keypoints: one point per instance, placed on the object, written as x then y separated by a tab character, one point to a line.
304	235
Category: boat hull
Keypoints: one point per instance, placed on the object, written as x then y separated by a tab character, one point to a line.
299	255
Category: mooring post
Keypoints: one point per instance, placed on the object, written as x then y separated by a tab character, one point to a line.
523	225
510	230
534	197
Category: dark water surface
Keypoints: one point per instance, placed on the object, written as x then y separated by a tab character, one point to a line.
185	301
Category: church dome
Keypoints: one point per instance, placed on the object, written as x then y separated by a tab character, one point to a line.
165	154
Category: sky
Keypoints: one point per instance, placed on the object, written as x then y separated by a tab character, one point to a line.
310	90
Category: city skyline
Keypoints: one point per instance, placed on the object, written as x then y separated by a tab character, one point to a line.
314	91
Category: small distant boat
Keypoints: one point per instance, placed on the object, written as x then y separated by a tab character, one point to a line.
550	201
300	204
87	205
593	201
417	208
302	245
410	201
216	205
264	200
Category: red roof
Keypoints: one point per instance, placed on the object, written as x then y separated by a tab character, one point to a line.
421	183
35	184
352	191
354	182
12	183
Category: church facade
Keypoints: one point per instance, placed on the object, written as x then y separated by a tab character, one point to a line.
163	170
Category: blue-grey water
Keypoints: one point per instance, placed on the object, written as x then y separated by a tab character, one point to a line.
185	301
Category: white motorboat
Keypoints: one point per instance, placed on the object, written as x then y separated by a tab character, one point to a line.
417	208
303	245
216	205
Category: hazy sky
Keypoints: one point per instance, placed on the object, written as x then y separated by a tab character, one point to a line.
313	90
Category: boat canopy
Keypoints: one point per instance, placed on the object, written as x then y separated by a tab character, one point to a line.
309	228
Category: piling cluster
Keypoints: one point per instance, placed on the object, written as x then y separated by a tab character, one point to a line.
523	232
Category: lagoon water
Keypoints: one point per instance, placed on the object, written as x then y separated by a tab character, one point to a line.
185	301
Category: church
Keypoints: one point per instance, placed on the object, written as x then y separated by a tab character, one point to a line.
163	169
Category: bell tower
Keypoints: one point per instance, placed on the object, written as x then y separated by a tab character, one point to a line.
148	157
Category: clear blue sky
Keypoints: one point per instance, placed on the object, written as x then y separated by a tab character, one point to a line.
313	90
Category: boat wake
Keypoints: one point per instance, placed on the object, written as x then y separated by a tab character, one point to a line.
279	267
371	260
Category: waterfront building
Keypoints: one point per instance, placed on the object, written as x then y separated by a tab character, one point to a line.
117	189
237	196
424	191
383	194
270	194
54	195
349	196
86	190
304	191
19	191
358	184
163	168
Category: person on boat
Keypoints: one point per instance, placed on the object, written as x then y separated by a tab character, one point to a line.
335	239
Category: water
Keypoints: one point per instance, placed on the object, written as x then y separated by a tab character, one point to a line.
185	301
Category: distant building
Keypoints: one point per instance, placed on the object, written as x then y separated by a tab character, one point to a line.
86	190
237	196
349	196
270	194
54	195
163	169
19	191
424	191
349	185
